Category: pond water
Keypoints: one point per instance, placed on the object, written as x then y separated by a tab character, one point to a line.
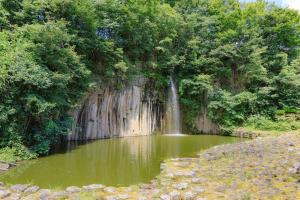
112	162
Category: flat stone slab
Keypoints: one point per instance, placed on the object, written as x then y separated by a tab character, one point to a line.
93	187
111	198
73	189
4	166
14	196
32	189
19	187
110	190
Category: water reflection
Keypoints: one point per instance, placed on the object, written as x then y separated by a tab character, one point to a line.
117	162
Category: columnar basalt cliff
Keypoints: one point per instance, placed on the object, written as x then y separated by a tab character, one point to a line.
132	111
108	113
205	125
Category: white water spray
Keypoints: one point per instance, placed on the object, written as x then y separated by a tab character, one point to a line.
174	119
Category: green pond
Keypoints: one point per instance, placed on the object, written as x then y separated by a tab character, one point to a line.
112	162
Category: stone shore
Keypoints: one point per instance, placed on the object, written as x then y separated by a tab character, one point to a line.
264	168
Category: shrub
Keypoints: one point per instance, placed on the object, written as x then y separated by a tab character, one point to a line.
16	153
266	124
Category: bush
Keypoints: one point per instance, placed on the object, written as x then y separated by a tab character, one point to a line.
230	110
266	124
16	153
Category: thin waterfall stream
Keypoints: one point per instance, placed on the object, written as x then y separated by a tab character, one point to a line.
174	118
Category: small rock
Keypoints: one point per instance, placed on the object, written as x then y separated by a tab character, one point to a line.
93	187
60	194
129	189
1	184
4	193
19	187
198	180
198	189
155	191
165	197
73	189
111	198
182	164
29	197
175	195
124	196
110	190
32	189
189	196
291	144
297	166
295	169
164	183
14	196
180	186
170	175
74	197
162	166
44	193
188	173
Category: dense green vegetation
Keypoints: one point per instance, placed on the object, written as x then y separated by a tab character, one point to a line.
241	61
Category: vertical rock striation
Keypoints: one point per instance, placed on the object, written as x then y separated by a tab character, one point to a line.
204	124
109	113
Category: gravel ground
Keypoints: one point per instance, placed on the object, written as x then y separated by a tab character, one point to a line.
264	168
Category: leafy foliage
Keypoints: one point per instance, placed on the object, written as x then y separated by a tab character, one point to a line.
236	60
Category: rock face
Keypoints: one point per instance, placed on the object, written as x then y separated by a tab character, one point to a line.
110	113
204	124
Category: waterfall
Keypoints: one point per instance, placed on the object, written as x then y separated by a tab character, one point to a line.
173	109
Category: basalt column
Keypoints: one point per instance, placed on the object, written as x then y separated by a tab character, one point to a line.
111	113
